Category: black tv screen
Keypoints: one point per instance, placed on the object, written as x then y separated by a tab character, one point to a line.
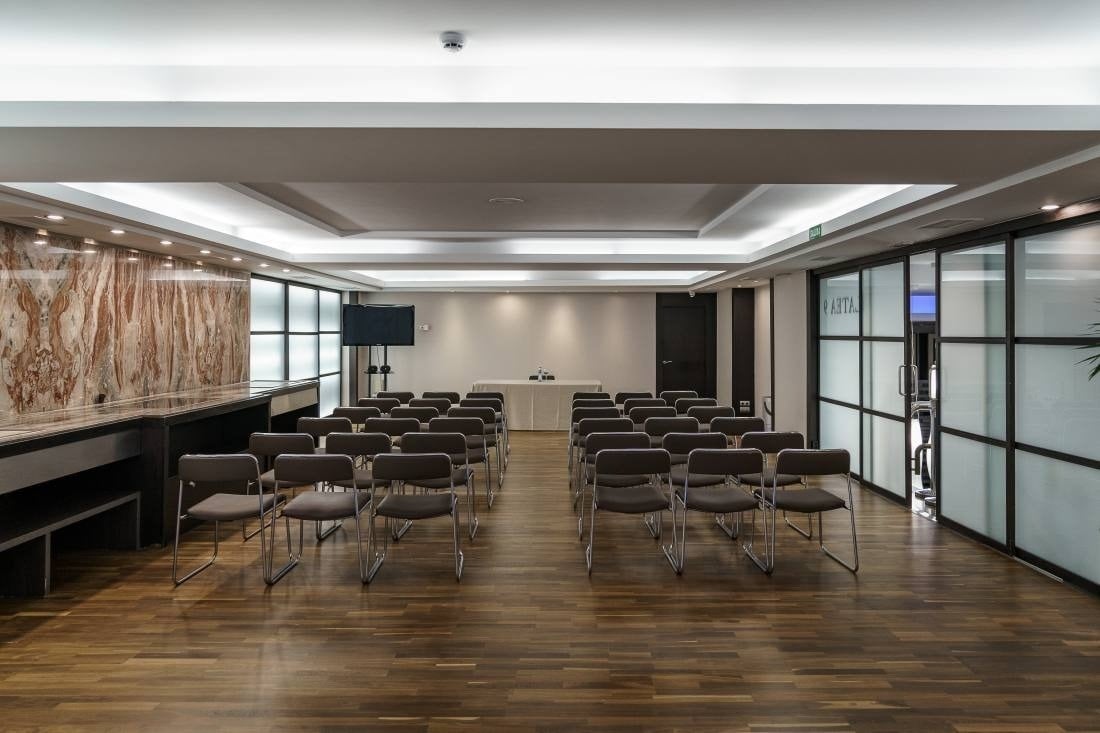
379	325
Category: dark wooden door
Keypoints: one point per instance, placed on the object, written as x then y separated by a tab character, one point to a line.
686	342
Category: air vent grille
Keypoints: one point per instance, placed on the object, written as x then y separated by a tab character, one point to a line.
950	223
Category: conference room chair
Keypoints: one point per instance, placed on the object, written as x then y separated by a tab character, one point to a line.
671	395
357	415
591	396
658	427
462	474
593	403
265	447
453	397
622	397
632	402
680	443
319	427
423	414
361	448
809	500
586	427
705	414
629	481
441	404
706	483
504	427
383	404
472	429
324	504
406	468
242	470
734	427
594	443
770	444
490	438
393	427
640	414
685	403
402	397
575	416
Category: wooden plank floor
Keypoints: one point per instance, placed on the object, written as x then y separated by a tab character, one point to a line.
936	633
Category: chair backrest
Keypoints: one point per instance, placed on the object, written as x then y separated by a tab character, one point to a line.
591	396
319	427
411	466
269	445
468	426
449	443
708	413
454	397
391	426
219	468
423	414
640	414
442	404
491	402
671	395
809	462
631	461
683	443
622	397
685	403
298	469
632	402
735	427
657	426
583	413
596	442
402	397
358	445
486	395
771	443
487	415
384	404
593	403
725	461
357	415
591	425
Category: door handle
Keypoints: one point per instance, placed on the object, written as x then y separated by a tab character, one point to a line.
666	362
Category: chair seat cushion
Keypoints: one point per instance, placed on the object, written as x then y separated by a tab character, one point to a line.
476	455
415	506
717	499
784	479
460	476
632	499
228	507
679	473
806	501
631	480
322	505
362	479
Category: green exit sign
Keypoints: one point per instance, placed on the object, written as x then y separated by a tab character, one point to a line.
815	231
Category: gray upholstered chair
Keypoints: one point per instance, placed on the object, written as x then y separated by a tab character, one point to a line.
671	395
704	414
591	396
578	479
265	447
422	414
472	429
686	403
454	397
734	427
575	416
631	402
357	415
319	427
361	448
503	419
394	427
383	404
442	404
622	397
402	397
658	427
770	444
640	414
490	438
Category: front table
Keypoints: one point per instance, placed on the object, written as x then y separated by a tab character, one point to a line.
534	405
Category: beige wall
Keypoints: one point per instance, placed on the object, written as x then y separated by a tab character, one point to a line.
607	336
724	343
762	349
790	352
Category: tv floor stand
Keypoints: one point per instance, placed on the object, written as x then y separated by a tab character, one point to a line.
370	370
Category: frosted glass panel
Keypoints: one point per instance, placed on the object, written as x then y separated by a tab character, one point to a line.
972	485
840	429
1057	407
266	305
266	357
303	357
303	308
1058	513
972	388
884	453
972	292
838	305
884	300
329	397
1058	282
330	310
881	360
330	353
838	375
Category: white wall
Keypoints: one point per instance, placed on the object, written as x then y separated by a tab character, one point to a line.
606	336
790	352
762	351
724	343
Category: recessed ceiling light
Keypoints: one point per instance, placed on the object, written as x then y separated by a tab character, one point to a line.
42	233
286	269
198	269
166	242
236	259
131	259
263	264
89	240
167	264
1049	207
198	262
118	231
506	200
204	251
169	256
40	241
55	217
89	251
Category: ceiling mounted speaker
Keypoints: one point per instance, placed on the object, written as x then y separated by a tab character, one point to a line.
452	41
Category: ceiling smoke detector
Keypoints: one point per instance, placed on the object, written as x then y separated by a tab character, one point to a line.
452	41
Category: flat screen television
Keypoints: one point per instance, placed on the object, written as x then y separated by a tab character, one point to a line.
379	325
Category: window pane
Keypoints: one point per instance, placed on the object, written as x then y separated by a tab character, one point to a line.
838	308
1057	407
972	485
330	353
303	357
972	388
266	357
1058	282
838	376
330	310
303	308
884	453
1057	505
884	300
329	397
266	305
881	360
972	292
840	429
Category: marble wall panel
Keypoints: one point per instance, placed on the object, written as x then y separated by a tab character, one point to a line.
107	324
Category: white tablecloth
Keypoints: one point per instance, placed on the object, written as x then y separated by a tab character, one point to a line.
533	405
